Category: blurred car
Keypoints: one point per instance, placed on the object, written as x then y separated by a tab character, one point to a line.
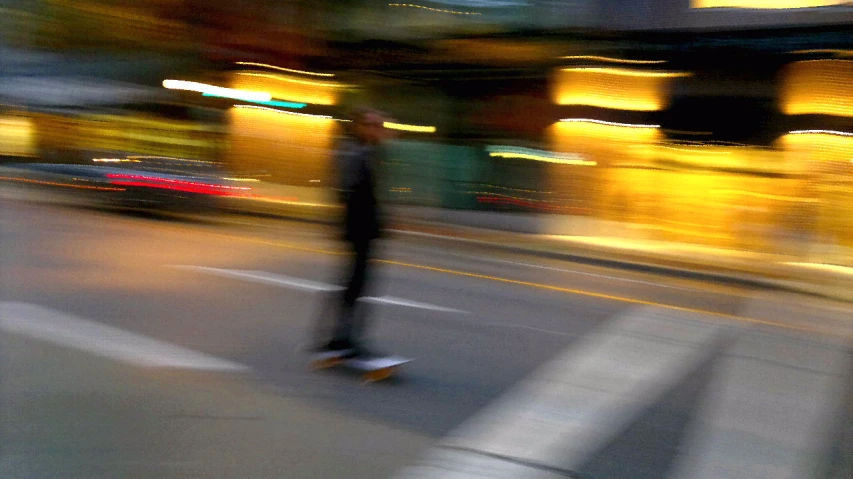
137	182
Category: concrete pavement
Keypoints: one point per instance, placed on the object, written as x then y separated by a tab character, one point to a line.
491	331
69	414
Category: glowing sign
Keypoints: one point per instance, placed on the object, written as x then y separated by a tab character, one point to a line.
254	96
283	104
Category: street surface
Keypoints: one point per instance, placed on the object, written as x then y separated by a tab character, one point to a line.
141	346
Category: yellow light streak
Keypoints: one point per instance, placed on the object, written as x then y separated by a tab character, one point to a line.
412	128
820	132
607	123
628	72
183	160
274	76
836	51
291	70
818	145
826	61
834	268
613	60
439	10
114	160
249	180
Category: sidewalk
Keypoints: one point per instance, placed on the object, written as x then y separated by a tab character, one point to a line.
686	260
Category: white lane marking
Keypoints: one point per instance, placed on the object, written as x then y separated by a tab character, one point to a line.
550	268
306	285
577	403
67	330
264	278
409	303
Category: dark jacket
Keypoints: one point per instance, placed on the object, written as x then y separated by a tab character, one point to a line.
357	164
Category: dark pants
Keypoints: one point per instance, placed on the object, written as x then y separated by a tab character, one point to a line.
352	317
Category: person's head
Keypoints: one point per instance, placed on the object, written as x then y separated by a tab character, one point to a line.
368	125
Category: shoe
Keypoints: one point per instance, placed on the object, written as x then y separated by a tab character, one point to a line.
336	349
364	354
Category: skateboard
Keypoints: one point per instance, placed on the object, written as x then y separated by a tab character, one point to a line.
373	369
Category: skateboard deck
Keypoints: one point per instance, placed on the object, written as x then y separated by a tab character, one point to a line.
373	369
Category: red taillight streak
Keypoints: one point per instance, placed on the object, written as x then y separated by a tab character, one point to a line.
176	185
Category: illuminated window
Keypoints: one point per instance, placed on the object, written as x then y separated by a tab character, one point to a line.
293	148
17	136
615	88
818	87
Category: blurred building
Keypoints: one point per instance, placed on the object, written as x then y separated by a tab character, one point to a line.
723	122
681	113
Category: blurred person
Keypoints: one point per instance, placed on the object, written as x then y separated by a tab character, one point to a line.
356	160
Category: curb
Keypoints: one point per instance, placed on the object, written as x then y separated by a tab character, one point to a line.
723	277
647	267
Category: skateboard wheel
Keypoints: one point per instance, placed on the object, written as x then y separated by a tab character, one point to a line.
326	363
379	375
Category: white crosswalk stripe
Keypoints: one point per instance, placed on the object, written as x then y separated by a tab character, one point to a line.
769	411
275	279
770	408
71	331
572	406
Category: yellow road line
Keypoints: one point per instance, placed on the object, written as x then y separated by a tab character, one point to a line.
623	299
547	287
280	244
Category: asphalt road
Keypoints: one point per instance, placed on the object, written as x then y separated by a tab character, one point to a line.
248	293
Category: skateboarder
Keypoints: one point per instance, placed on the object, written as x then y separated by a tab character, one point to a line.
356	161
